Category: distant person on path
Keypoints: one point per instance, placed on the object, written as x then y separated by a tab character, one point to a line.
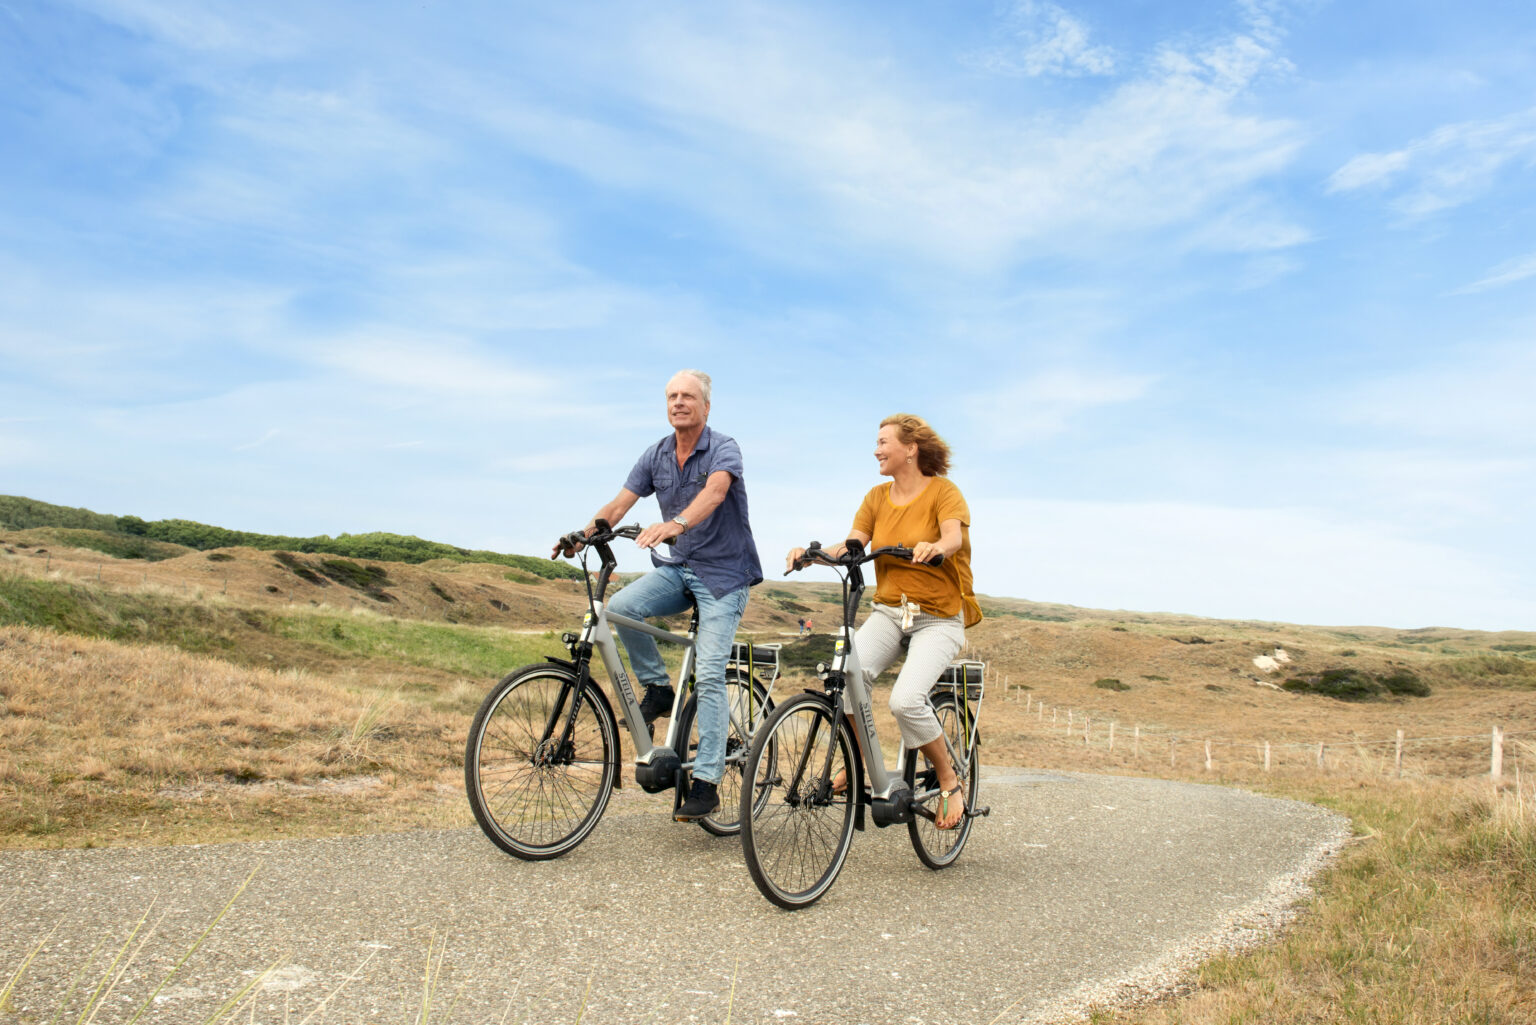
696	475
921	509
801	621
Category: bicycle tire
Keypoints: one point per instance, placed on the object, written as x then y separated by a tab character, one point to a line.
747	701
533	799
938	848
796	836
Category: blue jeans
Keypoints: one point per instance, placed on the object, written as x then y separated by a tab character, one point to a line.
664	592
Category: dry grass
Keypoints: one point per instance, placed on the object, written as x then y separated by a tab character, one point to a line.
109	743
1429	917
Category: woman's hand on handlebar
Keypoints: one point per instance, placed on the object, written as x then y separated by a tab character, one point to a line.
924	551
796	559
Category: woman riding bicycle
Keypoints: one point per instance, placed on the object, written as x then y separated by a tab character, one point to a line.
923	510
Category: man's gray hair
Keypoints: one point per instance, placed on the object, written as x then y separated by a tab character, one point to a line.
700	376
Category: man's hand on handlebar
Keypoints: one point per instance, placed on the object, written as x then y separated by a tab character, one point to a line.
570	544
576	540
659	533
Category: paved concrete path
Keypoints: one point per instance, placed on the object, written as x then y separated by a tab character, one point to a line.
1074	886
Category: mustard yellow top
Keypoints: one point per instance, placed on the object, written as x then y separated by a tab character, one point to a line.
941	591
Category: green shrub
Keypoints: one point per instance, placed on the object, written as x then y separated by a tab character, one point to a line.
350	574
1110	683
294	564
118	546
1342	684
805	653
1405	683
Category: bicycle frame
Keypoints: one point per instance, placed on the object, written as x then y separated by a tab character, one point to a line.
890	801
597	631
656	765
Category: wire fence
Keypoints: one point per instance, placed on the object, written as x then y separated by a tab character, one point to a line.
1489	752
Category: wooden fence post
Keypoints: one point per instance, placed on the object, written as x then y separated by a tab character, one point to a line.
1321	764
1496	770
1397	760
1266	756
1111	736
1085	731
1207	756
1136	742
1172	744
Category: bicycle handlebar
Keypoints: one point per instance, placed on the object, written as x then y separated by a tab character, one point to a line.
855	555
602	533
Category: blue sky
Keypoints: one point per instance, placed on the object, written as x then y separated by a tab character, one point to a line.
1225	308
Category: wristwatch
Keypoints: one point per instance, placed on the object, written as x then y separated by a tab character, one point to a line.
681	523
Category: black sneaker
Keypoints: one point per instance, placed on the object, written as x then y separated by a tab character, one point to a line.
656	703
703	798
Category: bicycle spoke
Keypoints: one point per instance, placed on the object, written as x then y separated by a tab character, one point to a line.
538	780
796	841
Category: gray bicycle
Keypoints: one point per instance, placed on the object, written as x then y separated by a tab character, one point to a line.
542	758
815	767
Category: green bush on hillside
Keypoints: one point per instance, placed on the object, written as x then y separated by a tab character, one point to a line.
24	513
1358	685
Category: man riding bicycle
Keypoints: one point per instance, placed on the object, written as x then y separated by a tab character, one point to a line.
696	475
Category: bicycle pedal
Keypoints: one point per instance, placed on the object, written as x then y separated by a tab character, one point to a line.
979	813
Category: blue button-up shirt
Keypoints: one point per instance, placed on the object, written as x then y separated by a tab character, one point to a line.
719	550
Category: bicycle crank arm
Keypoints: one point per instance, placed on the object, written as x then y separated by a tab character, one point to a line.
979	813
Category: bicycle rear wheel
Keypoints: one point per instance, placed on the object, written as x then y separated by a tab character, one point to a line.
538	788
795	831
936	847
747	701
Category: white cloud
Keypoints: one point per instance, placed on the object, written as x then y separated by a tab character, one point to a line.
1291	565
1047	40
1506	273
203	27
1368	169
1479	396
1453	165
1044	404
771	126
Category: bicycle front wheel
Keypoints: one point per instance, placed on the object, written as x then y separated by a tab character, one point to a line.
795	830
747	702
936	847
537	777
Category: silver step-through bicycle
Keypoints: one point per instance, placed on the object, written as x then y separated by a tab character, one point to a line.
543	753
815	768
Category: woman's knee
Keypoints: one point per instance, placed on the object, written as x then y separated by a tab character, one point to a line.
907	706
